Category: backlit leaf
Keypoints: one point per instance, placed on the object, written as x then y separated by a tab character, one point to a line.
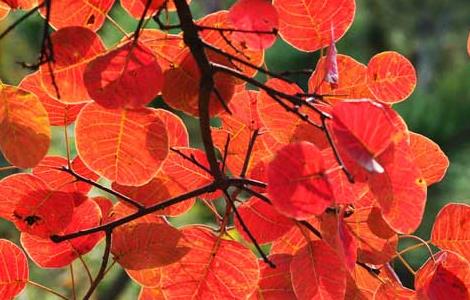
47	254
24	127
363	131
136	7
258	16
447	278
73	48
376	242
213	269
451	229
352	83
48	170
181	88
169	49
400	189
27	201
275	284
84	13
429	157
14	271
392	291
306	25
125	146
297	184
390	77
264	222
60	114
146	245
120	78
317	272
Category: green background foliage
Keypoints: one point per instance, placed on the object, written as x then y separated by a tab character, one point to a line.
431	33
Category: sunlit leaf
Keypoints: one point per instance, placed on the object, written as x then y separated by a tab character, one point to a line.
14	271
391	77
306	25
125	146
297	184
24	127
451	229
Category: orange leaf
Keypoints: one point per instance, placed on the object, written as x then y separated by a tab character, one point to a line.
393	291
149	278
25	133
125	146
297	184
213	269
429	158
181	88
447	278
451	229
120	78
146	245
306	25
169	49
47	254
352	83
14	271
151	294
286	127
292	241
317	272
391	77
60	114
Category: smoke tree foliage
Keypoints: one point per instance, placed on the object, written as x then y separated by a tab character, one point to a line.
330	178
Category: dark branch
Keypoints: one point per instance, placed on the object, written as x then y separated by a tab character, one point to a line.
102	270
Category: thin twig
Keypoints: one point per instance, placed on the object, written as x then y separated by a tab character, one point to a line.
225	154
247	231
21	20
103	188
49	290
102	270
251	145
191	158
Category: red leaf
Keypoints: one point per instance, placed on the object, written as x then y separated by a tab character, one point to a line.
136	7
73	48
169	49
340	238
49	171
297	184
391	77
265	223
429	157
213	269
306	25
83	13
363	131
258	16
120	78
275	283
34	208
293	240
125	146
451	229
25	133
377	242
400	189
14	271
317	272
47	254
447	278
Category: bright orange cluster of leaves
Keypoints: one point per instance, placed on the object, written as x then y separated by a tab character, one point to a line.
330	178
